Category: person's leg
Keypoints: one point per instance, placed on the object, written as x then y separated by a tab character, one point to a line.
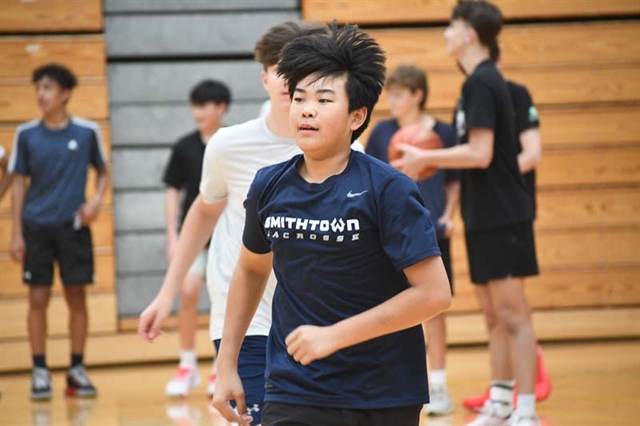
39	296
436	338
514	316
76	299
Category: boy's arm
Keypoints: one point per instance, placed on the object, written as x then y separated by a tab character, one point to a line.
428	295
196	230
245	292
529	157
452	191
17	247
477	154
89	210
171	207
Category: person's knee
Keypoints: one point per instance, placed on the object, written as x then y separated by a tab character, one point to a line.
513	320
191	288
39	298
76	299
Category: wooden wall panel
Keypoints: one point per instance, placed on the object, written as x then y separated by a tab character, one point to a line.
50	16
89	100
84	55
11	283
390	11
102	316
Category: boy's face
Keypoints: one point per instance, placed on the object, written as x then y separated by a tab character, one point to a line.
51	96
319	117
208	115
402	101
276	88
457	35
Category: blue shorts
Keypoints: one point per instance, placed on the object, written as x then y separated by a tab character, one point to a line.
251	366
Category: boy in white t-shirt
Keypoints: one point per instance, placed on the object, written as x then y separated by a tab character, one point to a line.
232	158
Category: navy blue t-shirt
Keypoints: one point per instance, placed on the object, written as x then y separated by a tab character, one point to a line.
339	249
56	161
432	189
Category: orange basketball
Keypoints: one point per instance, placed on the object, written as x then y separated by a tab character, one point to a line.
419	136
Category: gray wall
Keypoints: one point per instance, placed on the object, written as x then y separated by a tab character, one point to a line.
157	50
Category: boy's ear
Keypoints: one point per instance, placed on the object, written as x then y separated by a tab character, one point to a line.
263	76
358	117
66	96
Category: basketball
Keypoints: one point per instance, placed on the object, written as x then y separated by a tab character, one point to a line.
419	136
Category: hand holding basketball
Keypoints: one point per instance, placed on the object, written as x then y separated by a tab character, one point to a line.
405	147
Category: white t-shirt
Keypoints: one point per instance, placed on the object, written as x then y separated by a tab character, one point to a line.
231	160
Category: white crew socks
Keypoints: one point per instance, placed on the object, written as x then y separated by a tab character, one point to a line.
501	396
527	405
188	358
438	378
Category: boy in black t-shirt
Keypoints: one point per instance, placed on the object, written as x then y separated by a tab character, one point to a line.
496	208
209	100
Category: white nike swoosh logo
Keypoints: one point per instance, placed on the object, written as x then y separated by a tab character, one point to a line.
355	194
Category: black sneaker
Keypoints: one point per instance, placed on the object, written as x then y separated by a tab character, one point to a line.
78	383
40	384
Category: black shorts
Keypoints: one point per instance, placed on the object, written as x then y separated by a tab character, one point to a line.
71	248
278	414
445	251
502	252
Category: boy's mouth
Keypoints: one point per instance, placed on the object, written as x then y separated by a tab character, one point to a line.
307	127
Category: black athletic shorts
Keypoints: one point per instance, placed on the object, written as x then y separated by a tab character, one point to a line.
278	414
445	252
71	248
502	252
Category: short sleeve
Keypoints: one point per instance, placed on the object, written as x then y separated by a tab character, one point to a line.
173	174
212	184
98	157
19	160
479	106
526	112
406	232
253	236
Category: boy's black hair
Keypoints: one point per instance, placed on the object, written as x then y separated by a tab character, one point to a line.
210	91
58	73
484	17
494	51
346	51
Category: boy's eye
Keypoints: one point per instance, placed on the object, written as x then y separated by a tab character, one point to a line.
297	99
324	101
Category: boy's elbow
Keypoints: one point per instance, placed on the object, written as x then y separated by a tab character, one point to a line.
483	161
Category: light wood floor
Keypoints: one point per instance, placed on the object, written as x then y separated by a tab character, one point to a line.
594	384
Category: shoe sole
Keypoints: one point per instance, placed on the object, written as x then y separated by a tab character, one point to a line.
79	393
41	398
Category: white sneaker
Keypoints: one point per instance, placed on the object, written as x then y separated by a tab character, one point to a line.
517	419
439	402
489	417
211	387
185	379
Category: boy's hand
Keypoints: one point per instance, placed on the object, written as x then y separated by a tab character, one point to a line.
447	222
229	387
88	212
412	162
152	317
308	343
17	247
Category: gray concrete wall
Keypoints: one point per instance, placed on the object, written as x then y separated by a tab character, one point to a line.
157	51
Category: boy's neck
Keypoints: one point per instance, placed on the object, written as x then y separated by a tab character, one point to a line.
278	122
317	171
472	57
56	119
418	116
205	134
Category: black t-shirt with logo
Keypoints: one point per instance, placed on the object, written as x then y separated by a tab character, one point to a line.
496	196
184	169
526	118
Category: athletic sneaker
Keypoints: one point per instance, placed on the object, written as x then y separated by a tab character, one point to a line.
489	417
212	382
518	420
543	387
40	384
78	383
185	379
439	402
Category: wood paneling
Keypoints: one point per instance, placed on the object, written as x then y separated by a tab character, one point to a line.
390	11
89	100
101	307
50	16
84	55
522	46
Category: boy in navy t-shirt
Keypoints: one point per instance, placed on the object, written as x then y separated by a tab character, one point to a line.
407	92
51	219
354	252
